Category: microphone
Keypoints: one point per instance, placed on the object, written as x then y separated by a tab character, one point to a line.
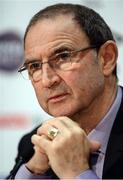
25	153
15	169
24	157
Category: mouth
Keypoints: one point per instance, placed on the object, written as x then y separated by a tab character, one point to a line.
57	98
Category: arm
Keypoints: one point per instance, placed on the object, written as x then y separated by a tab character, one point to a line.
88	174
24	173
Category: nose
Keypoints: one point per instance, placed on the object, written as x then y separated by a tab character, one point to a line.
49	76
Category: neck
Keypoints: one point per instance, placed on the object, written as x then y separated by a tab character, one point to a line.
89	118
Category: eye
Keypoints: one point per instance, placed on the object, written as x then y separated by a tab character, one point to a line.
34	66
64	56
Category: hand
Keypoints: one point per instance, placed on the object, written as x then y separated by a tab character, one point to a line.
69	151
39	163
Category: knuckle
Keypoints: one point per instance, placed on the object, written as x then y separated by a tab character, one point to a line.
79	135
78	131
56	147
70	135
33	139
38	130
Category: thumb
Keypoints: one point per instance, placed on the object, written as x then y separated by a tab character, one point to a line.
95	145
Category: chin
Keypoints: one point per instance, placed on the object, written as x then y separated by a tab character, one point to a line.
68	110
61	113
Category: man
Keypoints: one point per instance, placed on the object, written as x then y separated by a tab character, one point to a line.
71	56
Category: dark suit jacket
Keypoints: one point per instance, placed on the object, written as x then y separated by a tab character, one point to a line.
113	164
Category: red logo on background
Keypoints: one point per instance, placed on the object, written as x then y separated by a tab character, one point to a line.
14	121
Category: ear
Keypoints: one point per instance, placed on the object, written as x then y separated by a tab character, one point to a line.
107	55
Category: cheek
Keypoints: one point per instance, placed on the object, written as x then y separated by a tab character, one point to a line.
40	95
86	81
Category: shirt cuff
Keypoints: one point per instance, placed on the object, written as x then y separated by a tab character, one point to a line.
88	174
24	173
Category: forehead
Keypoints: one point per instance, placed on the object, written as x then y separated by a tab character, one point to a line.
50	33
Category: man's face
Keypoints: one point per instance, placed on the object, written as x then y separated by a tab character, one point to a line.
64	93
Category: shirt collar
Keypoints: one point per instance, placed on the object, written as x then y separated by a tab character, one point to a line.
102	131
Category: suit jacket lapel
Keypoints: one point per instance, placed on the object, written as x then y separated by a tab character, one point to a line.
114	152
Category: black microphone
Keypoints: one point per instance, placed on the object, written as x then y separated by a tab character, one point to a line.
15	169
24	157
26	152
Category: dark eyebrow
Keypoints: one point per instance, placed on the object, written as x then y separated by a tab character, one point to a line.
55	52
28	61
60	50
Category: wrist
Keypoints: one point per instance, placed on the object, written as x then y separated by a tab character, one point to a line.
75	172
34	169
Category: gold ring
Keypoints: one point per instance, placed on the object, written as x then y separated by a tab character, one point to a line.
53	132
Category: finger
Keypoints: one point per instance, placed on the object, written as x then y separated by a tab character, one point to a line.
42	142
65	122
57	123
43	129
49	131
37	149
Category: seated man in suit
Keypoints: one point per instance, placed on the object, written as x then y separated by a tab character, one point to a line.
71	57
